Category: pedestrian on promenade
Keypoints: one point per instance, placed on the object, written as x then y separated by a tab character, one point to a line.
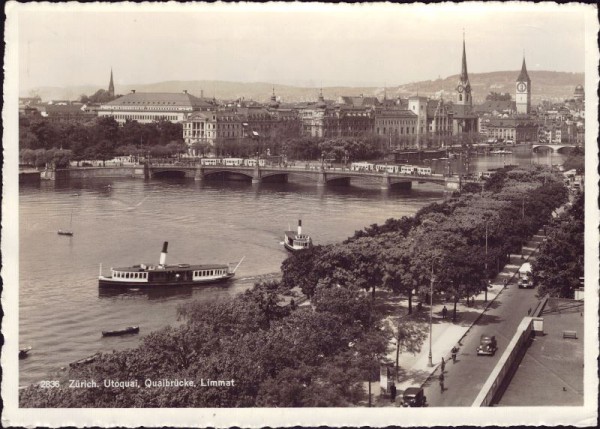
443	365
454	351
444	312
441	378
419	306
393	392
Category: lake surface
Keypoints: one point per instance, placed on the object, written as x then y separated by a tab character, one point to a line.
61	310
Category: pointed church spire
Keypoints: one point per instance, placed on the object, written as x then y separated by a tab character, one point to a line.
464	76
111	85
523	76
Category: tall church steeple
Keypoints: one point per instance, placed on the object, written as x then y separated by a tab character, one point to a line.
111	85
464	101
523	91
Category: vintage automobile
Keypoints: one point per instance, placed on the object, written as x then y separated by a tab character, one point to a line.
525	284
487	345
414	397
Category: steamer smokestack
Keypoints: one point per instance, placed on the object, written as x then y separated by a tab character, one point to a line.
163	254
299	226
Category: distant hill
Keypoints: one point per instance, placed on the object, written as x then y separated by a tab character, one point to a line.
546	85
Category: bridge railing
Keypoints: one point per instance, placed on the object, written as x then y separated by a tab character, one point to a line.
314	168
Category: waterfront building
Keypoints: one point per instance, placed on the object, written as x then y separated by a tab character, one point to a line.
208	127
354	121
518	129
399	126
434	121
148	107
523	91
318	119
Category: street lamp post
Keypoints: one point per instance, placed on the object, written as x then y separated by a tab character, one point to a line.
486	260
522	218
431	316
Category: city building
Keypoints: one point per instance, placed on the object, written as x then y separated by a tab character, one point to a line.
72	112
399	126
518	129
579	94
148	107
208	127
318	119
434	121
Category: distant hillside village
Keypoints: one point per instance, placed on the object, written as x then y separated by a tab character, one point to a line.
416	122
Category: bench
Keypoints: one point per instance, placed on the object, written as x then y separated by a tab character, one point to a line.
570	334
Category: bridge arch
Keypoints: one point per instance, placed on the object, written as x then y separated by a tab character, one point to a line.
170	173
227	173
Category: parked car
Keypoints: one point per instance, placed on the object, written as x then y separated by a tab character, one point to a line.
414	397
525	284
487	345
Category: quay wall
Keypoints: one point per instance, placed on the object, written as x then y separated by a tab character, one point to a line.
91	172
29	177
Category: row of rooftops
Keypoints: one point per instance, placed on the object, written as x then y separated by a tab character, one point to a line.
346	104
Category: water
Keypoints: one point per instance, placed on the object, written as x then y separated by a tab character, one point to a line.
62	311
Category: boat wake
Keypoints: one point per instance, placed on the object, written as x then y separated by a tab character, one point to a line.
127	206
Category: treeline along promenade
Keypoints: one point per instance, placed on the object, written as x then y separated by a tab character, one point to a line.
321	354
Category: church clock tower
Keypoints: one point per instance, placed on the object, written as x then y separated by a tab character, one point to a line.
464	100
523	95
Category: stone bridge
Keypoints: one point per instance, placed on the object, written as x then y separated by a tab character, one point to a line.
555	148
322	176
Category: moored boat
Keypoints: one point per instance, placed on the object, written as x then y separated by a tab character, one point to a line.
68	232
148	275
23	353
84	361
295	240
501	152
118	332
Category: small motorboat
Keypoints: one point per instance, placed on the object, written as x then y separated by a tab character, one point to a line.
84	361
68	232
23	353
125	331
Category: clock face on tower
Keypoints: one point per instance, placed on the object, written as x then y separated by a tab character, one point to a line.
522	86
460	88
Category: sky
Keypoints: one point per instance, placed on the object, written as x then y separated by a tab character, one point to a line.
301	44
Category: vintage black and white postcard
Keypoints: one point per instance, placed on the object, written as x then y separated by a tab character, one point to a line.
281	214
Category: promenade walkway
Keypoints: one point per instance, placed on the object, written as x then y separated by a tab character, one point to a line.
413	368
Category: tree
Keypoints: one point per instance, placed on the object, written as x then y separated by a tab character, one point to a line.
410	336
370	352
560	261
299	269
